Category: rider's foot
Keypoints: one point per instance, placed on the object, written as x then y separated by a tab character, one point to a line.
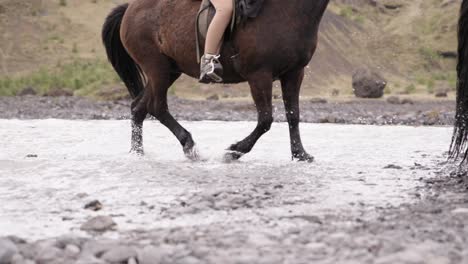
211	69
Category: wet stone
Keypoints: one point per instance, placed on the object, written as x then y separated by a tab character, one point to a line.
7	250
393	167
96	248
93	205
119	254
99	224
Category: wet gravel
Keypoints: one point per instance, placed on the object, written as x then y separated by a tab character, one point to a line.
378	112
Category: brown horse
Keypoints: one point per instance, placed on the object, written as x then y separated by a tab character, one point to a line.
156	38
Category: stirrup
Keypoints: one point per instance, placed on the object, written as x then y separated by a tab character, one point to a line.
211	70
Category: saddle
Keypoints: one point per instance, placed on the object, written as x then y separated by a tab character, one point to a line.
242	11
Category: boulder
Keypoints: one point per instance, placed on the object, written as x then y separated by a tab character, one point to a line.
26	91
368	84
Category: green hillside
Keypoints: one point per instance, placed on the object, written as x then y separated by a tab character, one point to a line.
48	44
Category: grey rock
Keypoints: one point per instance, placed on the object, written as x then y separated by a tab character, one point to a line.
132	261
17	259
441	93
214	97
318	100
7	250
393	100
66	240
49	254
368	84
72	250
93	205
28	251
149	255
463	211
119	254
23	261
89	259
95	248
99	224
407	101
189	260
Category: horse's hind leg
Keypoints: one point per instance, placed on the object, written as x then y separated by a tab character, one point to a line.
160	79
291	86
261	89
139	112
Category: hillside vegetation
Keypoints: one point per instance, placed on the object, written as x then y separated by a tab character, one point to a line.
49	44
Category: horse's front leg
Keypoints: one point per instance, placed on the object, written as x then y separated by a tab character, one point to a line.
160	82
291	85
261	89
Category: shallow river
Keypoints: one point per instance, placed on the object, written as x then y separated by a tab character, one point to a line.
80	161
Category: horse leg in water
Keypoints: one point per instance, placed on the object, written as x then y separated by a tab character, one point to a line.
139	112
161	76
261	85
291	86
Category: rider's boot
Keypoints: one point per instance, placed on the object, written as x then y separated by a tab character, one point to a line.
211	69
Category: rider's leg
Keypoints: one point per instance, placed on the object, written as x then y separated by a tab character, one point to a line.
218	26
210	68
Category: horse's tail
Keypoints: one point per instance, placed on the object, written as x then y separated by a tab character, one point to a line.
130	73
459	146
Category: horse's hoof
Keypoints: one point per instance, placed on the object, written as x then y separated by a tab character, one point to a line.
303	157
232	156
192	154
137	151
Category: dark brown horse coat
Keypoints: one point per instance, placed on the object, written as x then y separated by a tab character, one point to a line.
158	39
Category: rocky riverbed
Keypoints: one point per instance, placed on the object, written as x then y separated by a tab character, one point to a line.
432	230
376	194
393	111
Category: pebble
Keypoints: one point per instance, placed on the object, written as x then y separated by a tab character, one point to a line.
99	224
460	211
393	166
7	250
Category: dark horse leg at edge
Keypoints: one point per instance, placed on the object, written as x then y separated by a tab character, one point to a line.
156	38
459	146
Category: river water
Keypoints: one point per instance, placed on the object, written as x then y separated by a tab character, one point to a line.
49	169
